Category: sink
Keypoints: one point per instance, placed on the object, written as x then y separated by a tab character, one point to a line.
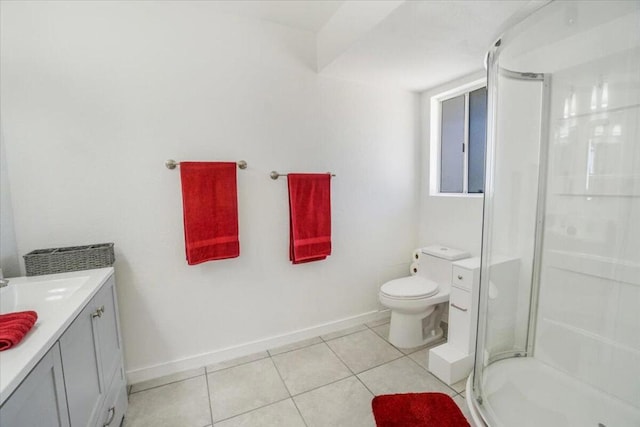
32	294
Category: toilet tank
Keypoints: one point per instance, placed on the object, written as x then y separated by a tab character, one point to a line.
435	262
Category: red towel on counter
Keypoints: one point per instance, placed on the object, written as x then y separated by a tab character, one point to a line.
309	217
210	208
14	326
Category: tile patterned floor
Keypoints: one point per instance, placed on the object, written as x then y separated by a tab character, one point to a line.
325	381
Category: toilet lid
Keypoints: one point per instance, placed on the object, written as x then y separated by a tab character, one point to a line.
410	288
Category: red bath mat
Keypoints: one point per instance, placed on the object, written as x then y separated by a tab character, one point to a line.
417	410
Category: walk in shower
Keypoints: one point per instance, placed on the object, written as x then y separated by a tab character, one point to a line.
558	340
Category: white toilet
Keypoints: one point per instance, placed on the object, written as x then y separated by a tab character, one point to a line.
416	302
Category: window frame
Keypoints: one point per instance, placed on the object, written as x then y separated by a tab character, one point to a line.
435	142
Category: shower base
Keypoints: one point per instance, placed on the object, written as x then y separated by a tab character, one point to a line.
525	392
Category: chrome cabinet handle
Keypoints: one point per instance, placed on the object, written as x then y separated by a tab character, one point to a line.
98	313
459	276
112	413
459	308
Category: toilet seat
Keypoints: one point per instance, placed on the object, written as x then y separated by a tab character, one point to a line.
409	288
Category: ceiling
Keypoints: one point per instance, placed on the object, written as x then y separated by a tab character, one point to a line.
422	44
414	45
309	15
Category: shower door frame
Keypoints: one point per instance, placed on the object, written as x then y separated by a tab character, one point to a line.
493	70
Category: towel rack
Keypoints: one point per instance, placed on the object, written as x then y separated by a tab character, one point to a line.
275	175
171	164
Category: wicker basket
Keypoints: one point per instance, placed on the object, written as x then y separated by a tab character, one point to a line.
74	258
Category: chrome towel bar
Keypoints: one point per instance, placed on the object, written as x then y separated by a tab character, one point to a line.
171	164
275	175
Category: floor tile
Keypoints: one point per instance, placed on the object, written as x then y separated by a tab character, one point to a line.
460	386
343	332
344	403
310	367
363	350
145	385
421	357
237	361
462	404
245	387
382	330
181	404
295	346
402	376
283	413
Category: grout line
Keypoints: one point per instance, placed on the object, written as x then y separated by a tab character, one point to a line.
365	386
162	385
297	348
254	409
340	359
382	364
304	421
281	378
320	386
206	378
234	366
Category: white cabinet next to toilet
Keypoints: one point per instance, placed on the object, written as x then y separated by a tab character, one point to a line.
463	304
452	361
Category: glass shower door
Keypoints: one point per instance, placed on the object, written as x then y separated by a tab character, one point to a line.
558	340
510	215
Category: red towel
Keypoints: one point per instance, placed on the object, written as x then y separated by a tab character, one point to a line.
417	410
14	326
210	207
309	217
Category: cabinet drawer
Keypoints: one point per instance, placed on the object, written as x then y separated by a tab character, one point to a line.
462	277
460	299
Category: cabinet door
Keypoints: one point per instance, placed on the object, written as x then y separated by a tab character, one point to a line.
108	331
81	362
459	319
40	399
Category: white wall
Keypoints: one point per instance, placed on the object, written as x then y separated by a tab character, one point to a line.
454	221
8	248
97	95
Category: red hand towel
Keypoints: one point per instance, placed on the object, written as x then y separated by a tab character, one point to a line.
309	217
14	326
210	207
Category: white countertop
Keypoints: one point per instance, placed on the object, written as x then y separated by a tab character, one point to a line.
58	299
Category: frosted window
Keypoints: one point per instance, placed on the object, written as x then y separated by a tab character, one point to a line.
452	143
477	139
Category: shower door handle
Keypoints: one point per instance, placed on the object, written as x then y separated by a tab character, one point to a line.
458	307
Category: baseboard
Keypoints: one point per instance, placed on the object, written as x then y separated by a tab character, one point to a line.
200	360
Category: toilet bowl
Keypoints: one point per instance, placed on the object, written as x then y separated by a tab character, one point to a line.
417	302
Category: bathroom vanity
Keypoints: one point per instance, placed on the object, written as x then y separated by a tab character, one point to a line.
68	370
